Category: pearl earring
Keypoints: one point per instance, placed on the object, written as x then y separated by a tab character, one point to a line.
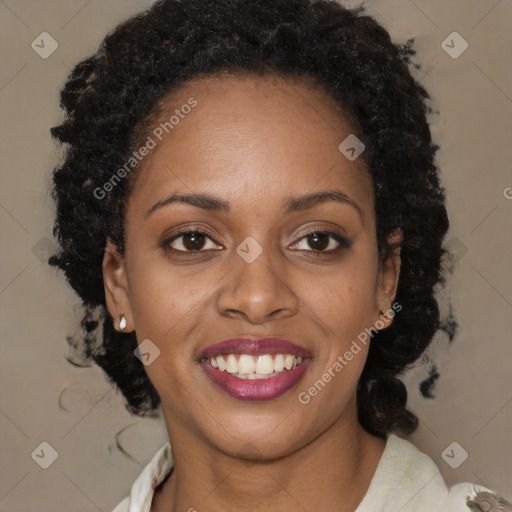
122	322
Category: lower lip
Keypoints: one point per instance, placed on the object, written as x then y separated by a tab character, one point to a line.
256	389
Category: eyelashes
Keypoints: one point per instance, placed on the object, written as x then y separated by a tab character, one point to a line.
194	241
343	243
195	246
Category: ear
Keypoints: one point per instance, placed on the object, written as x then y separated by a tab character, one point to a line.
116	286
387	282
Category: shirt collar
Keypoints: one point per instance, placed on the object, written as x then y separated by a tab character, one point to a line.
403	473
152	476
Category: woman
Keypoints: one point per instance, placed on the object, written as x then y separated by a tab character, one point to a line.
250	211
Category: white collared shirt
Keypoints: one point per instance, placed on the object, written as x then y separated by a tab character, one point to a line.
406	480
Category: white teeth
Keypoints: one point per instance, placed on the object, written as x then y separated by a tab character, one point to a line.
232	364
221	363
265	365
246	364
288	361
255	367
279	363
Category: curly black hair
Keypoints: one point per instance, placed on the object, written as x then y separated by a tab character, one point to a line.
347	53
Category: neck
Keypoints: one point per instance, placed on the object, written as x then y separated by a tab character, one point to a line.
332	472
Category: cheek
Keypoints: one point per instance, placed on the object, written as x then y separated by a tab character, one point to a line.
165	305
163	295
345	298
343	312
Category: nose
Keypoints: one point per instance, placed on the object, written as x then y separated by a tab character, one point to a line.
257	290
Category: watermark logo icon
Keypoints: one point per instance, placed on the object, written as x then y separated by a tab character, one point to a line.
351	147
454	45
45	455
146	352
44	249
456	247
249	249
454	455
44	45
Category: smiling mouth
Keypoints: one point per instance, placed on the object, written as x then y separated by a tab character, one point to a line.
247	366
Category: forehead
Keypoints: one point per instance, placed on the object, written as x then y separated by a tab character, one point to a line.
252	138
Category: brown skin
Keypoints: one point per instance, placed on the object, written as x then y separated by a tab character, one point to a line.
255	141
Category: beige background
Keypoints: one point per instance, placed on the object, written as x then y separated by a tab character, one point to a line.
473	404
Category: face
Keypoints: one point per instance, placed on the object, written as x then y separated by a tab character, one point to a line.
267	254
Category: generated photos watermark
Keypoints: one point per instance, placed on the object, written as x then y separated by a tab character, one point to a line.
363	337
152	141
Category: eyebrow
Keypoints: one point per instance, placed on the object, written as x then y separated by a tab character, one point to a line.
290	205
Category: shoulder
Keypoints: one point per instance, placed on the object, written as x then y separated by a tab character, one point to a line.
409	480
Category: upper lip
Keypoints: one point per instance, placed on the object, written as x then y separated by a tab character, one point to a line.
255	346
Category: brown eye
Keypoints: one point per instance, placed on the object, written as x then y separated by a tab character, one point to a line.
191	241
319	241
